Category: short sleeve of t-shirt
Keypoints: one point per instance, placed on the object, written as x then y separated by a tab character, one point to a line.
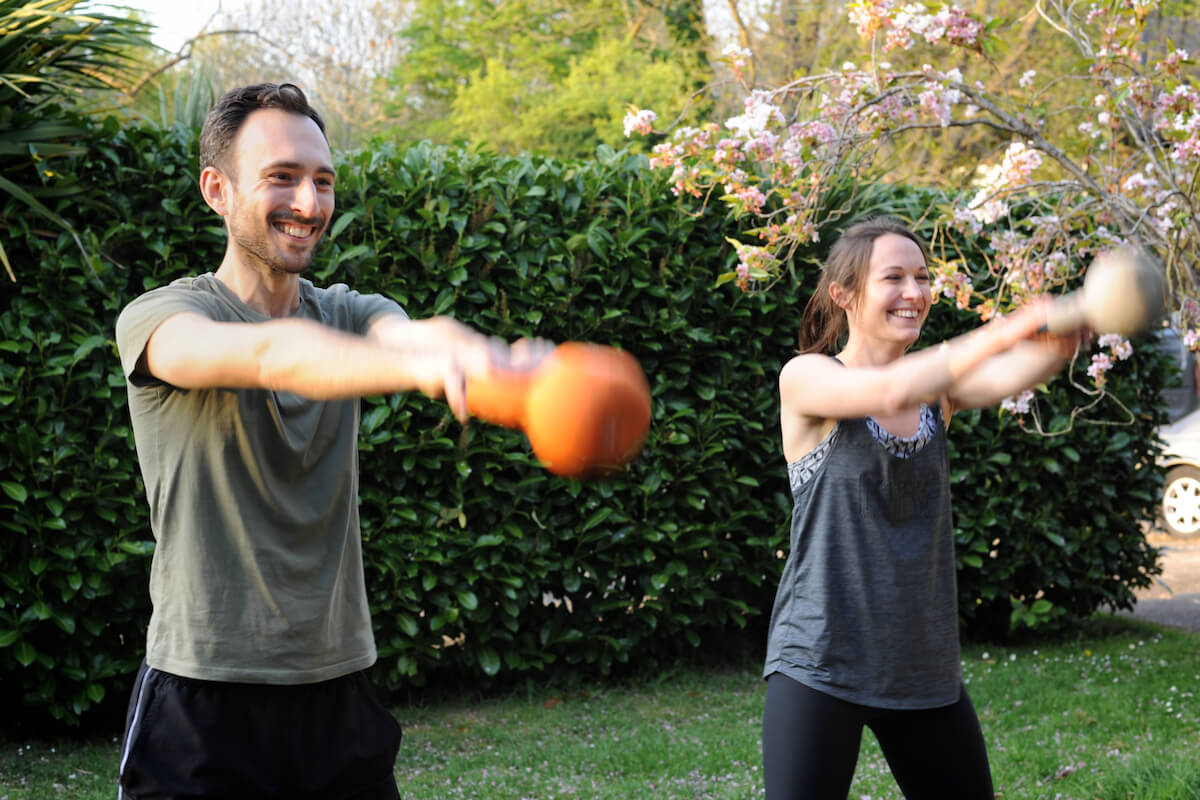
143	315
345	309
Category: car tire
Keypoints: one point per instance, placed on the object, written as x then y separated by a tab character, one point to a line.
1181	502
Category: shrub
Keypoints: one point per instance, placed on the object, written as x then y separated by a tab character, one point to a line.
480	565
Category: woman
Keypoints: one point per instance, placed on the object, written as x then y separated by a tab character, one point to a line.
864	631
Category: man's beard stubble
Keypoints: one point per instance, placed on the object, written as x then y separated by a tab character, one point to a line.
260	248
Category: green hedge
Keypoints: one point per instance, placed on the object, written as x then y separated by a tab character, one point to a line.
535	571
480	565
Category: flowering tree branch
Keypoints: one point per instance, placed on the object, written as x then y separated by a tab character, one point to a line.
1118	162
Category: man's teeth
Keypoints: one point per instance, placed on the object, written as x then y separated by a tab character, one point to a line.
299	231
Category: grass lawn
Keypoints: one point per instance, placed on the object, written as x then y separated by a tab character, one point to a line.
1111	712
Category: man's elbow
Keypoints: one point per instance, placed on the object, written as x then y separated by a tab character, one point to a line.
274	365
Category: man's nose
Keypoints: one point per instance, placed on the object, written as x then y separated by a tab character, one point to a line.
306	200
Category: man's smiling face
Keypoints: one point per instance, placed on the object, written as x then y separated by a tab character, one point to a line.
281	190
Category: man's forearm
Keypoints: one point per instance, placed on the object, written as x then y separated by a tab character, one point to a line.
315	361
426	335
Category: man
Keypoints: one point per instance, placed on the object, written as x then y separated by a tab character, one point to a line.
243	390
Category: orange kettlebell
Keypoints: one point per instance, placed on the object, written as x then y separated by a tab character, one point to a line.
584	407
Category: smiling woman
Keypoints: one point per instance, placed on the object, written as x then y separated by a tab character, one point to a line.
864	632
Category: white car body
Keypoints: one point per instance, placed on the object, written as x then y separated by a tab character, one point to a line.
1180	504
1180	507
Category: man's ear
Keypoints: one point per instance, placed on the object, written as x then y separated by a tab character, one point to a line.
215	186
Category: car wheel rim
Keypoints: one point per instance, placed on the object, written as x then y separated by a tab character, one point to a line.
1181	505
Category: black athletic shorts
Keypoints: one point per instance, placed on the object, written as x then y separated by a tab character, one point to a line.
187	738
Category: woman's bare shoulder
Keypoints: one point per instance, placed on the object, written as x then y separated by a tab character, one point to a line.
806	364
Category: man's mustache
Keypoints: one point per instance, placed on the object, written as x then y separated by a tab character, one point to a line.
288	216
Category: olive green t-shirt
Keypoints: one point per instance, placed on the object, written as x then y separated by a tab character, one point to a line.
257	575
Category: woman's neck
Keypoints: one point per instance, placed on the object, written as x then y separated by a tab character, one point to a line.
860	352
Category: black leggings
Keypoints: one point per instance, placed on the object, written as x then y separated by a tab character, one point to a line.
811	743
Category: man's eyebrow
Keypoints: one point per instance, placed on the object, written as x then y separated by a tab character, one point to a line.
296	165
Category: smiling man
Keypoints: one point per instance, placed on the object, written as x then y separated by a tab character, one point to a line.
243	392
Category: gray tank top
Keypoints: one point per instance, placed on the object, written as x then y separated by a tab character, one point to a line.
867	606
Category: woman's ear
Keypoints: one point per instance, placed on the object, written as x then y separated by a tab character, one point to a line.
840	296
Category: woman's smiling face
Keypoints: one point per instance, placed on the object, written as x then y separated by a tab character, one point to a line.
896	296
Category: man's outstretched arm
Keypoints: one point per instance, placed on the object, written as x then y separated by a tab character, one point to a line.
190	351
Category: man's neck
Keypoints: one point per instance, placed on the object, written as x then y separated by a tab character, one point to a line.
276	294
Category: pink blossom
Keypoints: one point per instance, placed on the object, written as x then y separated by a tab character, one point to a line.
941	286
758	112
743	276
986	208
897	38
753	263
778	151
820	132
751	198
1117	344
663	155
961	28
728	151
869	16
738	59
639	120
762	146
937	102
1186	151
950	283
1101	363
964	220
686	181
1138	183
1172	62
1019	163
1018	404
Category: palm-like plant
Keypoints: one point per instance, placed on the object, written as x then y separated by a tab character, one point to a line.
53	58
